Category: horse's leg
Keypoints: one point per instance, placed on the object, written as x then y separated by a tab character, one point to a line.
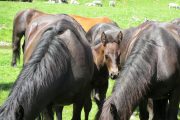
59	110
16	48
48	114
159	109
87	107
23	47
173	105
150	108
96	97
143	113
77	108
38	117
101	91
102	95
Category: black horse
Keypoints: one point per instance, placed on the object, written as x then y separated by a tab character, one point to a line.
105	39
59	72
151	56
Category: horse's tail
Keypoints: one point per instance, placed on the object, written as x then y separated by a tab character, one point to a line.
51	52
16	38
109	111
44	73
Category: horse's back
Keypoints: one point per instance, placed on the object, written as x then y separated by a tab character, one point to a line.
87	23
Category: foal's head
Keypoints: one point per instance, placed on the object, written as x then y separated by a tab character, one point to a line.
107	52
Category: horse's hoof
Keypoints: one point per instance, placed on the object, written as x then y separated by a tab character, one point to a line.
13	65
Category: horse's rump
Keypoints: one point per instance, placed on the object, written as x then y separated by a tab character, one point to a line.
36	28
20	23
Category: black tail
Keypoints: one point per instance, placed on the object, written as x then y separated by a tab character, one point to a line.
16	42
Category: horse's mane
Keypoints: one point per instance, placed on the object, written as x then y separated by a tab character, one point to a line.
136	74
50	61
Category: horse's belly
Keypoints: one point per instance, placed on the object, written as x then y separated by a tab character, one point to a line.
64	101
162	89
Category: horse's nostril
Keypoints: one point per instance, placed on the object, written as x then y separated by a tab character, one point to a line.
111	74
114	75
118	74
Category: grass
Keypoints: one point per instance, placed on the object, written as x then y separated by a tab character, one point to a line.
127	13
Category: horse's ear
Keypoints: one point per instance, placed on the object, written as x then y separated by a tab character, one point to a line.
120	37
103	38
19	113
114	112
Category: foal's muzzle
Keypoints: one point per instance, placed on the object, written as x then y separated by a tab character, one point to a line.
114	75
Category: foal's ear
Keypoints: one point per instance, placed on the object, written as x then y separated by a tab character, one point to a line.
19	113
103	38
114	112
120	37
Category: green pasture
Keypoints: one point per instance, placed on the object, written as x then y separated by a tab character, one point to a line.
127	13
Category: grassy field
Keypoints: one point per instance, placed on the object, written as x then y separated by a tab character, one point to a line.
127	13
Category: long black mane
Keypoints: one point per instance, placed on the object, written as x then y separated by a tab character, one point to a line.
50	61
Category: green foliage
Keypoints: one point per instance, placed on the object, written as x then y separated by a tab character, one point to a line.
127	13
